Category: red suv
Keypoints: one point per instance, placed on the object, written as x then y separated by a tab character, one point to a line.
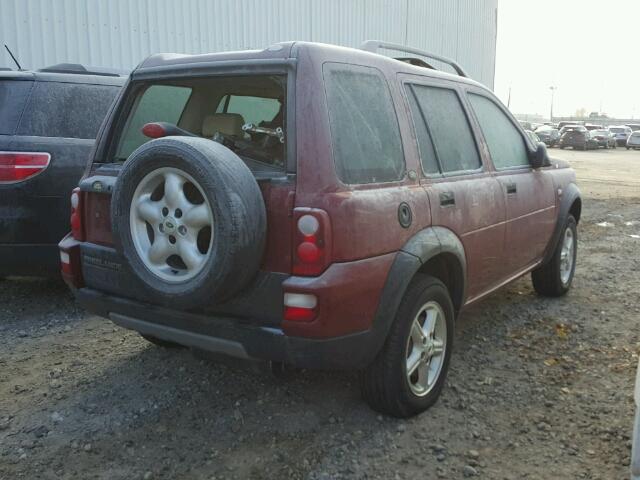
318	206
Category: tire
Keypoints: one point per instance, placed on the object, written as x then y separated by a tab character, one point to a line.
628	148
561	147
161	343
384	383
548	279
235	211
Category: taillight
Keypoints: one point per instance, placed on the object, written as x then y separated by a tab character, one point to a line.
312	241
76	215
18	166
300	307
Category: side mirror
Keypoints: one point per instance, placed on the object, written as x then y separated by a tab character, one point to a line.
539	158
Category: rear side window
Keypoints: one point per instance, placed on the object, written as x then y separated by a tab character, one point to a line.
257	110
506	145
13	97
158	103
69	110
364	127
448	129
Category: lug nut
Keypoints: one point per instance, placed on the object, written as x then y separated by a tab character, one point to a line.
161	227
182	230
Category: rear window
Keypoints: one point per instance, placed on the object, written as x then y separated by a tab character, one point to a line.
13	97
244	113
158	103
256	110
68	110
364	127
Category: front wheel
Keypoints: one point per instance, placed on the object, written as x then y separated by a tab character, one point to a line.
408	374
554	278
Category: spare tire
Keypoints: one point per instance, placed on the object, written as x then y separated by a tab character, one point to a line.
189	218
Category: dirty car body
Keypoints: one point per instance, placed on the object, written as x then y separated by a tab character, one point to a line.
346	241
48	123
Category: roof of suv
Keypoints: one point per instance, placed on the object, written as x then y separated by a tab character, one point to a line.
286	51
68	73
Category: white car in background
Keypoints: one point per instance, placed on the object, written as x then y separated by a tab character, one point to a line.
622	133
635	448
633	141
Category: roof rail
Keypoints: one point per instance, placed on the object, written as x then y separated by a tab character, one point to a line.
82	70
374	45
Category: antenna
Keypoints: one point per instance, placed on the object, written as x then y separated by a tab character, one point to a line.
13	57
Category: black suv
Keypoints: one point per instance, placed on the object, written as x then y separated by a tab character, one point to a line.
48	124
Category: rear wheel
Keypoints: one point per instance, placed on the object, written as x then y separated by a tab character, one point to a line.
554	278
408	374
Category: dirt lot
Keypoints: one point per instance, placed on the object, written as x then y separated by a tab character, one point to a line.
538	388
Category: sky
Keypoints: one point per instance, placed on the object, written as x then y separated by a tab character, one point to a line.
588	49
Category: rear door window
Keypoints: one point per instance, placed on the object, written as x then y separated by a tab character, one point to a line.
158	103
446	127
364	127
68	110
13	97
506	144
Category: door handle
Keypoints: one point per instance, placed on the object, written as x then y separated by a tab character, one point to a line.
512	188
447	198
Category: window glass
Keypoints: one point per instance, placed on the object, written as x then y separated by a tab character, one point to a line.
69	110
159	103
364	128
13	97
449	128
425	144
257	110
506	145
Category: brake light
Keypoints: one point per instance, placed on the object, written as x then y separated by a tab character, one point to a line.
300	307
312	241
19	166
76	215
154	130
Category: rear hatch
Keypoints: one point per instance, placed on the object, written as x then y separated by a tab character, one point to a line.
201	106
47	130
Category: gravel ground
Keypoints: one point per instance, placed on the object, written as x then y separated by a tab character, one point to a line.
538	388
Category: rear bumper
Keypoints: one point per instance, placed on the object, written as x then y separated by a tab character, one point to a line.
29	259
228	336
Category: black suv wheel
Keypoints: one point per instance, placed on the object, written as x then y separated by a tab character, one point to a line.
408	374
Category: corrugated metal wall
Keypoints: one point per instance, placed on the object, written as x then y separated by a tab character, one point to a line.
120	33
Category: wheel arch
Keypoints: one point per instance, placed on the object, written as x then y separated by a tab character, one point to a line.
570	204
436	251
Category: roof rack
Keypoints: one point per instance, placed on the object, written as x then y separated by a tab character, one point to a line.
82	70
374	45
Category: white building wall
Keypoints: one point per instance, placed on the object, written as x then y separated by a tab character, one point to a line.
120	33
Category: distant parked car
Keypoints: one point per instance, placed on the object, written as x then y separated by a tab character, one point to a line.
533	137
48	124
634	140
634	126
604	138
567	123
525	125
591	127
621	133
548	135
576	136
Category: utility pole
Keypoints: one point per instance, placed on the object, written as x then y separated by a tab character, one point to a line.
553	89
